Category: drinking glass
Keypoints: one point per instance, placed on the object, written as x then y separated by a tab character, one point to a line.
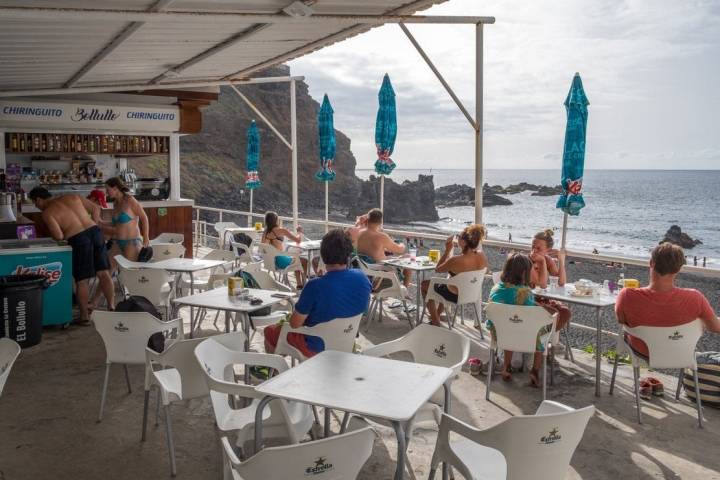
553	283
413	254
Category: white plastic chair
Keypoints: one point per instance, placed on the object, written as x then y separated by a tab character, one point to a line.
220	228
668	347
338	334
536	446
9	351
429	345
469	286
516	328
268	254
168	238
168	250
244	253
216	276
341	456
151	284
396	290
178	377
125	335
288	420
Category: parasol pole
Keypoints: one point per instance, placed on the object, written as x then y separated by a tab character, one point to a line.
327	226
564	231
250	220
382	192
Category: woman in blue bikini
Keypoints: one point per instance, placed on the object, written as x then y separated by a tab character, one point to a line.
128	220
274	235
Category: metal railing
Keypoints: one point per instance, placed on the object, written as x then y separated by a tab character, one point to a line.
203	238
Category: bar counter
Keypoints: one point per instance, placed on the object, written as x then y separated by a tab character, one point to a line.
164	216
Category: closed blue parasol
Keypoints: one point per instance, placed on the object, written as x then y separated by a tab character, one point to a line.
252	158
385	132
571	201
252	180
326	132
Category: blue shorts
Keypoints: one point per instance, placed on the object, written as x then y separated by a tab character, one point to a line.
283	261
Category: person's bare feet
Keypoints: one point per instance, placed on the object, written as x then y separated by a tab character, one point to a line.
507	376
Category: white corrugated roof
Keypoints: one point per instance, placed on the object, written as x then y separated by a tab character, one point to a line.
39	52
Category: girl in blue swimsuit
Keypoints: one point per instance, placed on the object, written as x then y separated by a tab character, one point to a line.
128	220
274	235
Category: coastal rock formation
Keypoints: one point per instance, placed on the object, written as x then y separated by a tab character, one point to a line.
538	190
463	195
213	161
676	236
405	202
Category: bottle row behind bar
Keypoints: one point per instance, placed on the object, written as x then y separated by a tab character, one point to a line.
77	143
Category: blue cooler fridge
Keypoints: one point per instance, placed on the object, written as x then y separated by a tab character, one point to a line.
43	256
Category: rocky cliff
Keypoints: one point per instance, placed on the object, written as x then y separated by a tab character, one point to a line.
213	161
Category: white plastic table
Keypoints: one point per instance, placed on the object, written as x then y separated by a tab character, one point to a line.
419	266
392	390
218	299
565	294
308	247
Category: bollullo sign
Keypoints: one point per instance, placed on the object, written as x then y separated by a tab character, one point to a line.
16	114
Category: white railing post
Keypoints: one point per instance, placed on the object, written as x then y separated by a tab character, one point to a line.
478	122
293	142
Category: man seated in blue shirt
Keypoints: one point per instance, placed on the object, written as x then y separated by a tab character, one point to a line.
340	293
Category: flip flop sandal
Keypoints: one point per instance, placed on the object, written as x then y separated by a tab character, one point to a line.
657	386
535	378
645	389
81	323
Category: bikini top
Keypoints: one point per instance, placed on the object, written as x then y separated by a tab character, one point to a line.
274	237
122	218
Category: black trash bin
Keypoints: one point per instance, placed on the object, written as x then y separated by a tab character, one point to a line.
21	304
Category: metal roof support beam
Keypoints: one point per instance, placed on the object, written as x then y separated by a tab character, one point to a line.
263	117
126	33
118	15
144	87
439	76
248	32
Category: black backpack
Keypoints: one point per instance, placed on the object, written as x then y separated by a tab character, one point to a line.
241	237
136	303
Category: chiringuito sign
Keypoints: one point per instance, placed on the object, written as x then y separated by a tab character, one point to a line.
36	114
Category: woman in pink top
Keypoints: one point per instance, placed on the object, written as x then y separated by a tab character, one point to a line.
662	304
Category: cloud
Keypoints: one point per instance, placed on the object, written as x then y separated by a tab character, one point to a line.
648	69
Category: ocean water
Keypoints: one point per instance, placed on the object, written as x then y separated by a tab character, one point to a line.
627	211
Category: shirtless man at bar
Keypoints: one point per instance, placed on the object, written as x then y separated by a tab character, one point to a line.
67	218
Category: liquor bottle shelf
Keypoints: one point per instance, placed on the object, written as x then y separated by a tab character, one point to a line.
63	143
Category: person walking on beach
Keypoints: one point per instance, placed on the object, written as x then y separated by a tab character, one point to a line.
67	219
662	304
510	237
373	243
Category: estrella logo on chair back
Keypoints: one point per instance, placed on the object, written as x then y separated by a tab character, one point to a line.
515	319
321	466
348	329
474	280
4	367
143	279
440	351
552	437
120	327
676	336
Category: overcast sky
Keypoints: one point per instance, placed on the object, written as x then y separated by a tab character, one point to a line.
651	71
